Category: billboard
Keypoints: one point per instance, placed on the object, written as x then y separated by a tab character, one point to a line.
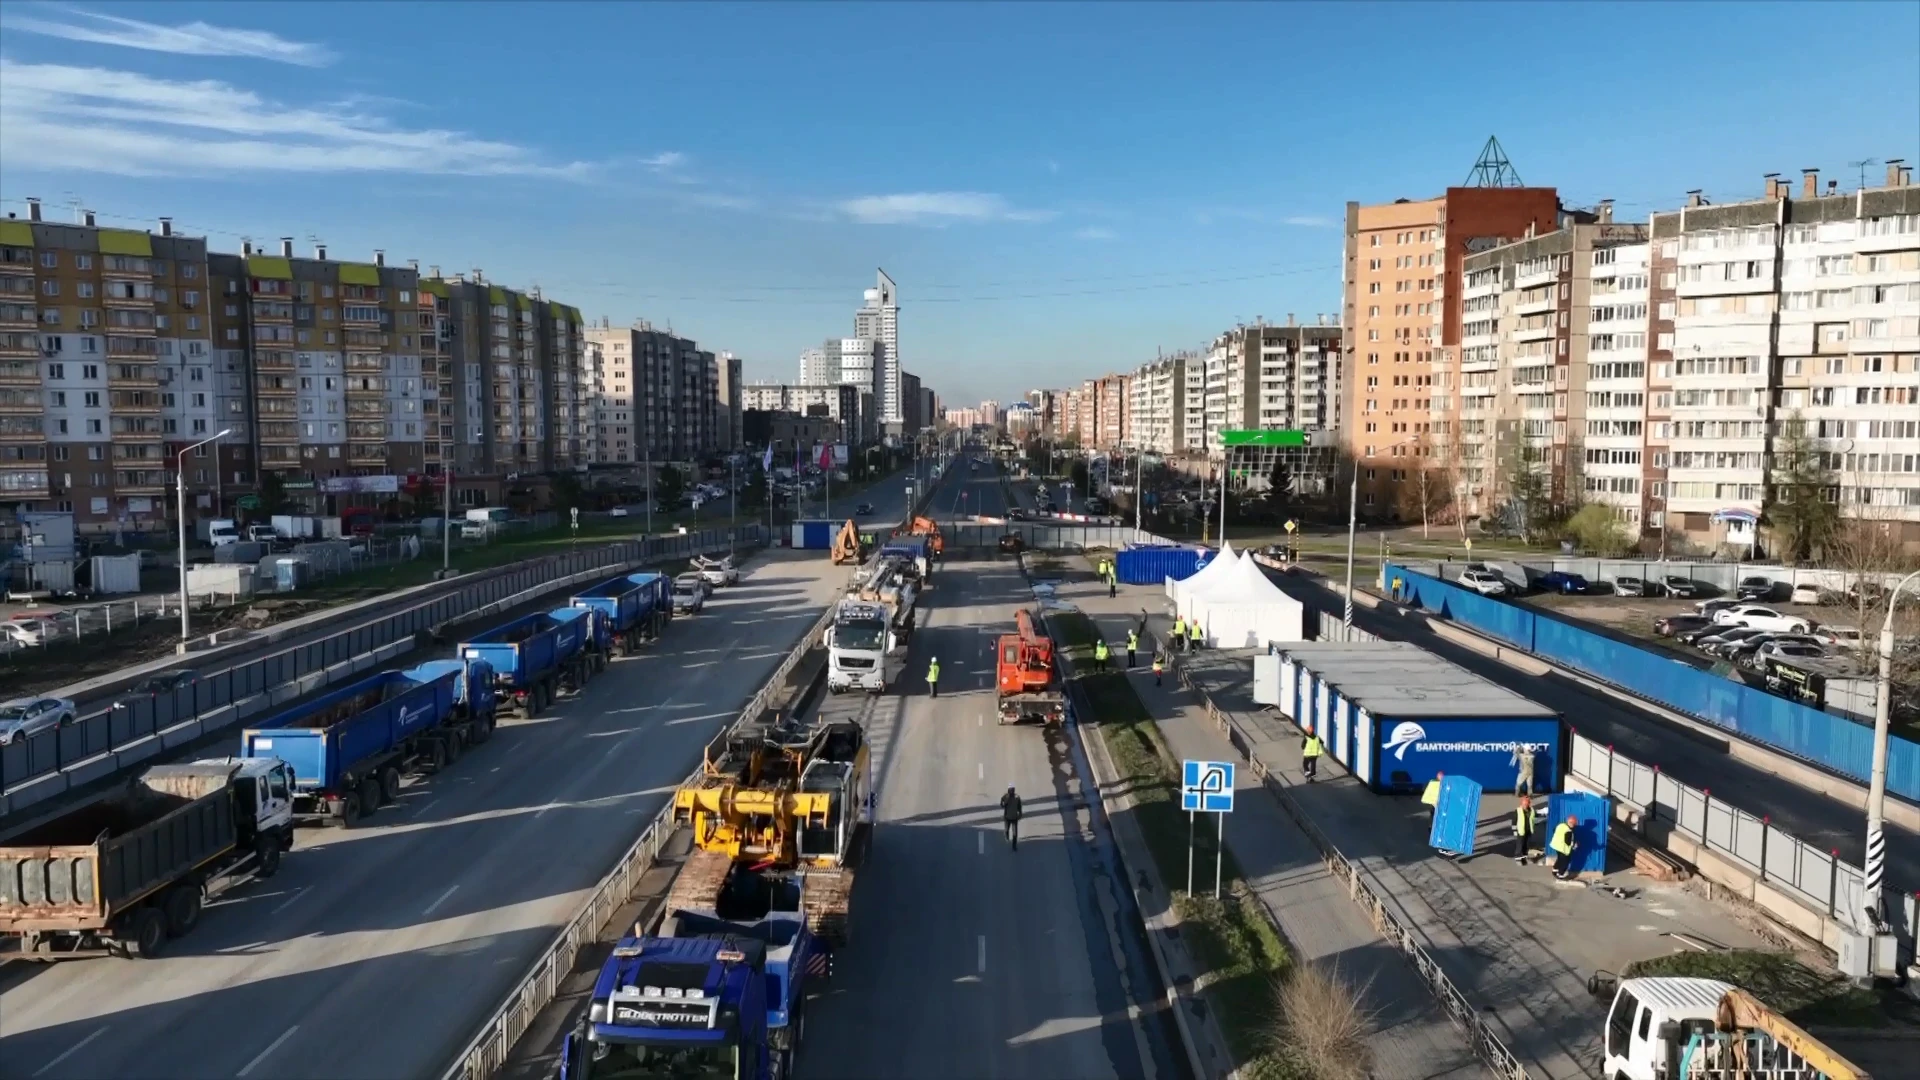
1408	753
360	485
840	454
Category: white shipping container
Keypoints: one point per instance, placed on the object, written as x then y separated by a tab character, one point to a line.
295	527
48	537
116	574
221	580
53	576
329	528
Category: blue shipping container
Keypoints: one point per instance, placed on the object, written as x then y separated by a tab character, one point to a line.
1153	564
815	535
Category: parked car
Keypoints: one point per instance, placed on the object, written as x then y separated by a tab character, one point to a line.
719	571
1484	582
1843	637
23	717
1717	644
1747	646
1683	588
689	596
1697	637
1629	586
1802	650
1760	617
25	632
863	510
1562	582
697	580
1812	594
161	682
1757	587
1710	608
1674	625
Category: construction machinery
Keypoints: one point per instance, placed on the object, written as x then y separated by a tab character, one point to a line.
929	528
1670	1028
1027	676
848	546
784	804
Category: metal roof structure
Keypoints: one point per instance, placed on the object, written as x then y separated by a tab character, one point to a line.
1400	679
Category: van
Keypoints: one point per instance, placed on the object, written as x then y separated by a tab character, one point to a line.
1646	1026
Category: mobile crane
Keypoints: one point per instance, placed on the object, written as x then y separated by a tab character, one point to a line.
1026	675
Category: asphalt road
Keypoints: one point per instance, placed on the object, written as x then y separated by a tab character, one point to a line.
967	957
376	952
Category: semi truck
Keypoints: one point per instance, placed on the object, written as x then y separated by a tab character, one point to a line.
863	647
348	750
636	607
533	656
121	874
917	550
1026	675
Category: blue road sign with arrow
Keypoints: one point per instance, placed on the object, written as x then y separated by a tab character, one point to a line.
1207	787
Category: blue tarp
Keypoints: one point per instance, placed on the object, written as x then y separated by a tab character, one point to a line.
1832	742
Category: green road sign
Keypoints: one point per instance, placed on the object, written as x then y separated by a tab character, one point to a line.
248	502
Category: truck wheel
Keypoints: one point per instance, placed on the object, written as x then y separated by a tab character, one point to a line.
533	704
437	756
182	907
369	795
267	855
389	784
454	744
349	809
146	934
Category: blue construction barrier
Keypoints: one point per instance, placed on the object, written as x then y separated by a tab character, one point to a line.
1832	742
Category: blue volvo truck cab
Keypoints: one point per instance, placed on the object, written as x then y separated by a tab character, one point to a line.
677	1008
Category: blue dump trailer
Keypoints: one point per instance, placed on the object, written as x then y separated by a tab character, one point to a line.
917	549
636	607
532	657
1397	716
348	749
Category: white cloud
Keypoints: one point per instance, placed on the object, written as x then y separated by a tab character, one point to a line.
1310	221
54	116
935	208
192	39
1095	232
666	162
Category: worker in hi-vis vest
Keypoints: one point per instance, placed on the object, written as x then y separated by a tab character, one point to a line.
1133	642
1430	798
1522	828
933	677
1310	751
1562	846
1100	655
1178	634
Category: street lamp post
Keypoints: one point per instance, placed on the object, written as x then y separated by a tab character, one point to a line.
180	493
1877	792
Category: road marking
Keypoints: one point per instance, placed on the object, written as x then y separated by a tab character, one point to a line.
72	1050
421	805
983	770
980	721
288	902
983	957
982	837
284	1036
451	889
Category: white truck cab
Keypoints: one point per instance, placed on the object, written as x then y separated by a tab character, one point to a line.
266	784
1646	1025
861	647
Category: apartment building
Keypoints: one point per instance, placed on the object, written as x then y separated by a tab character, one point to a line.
914	414
1046	409
107	371
1400	323
1551	375
878	322
1113	408
842	403
1159	404
662	400
1087	413
1264	377
728	402
1788	310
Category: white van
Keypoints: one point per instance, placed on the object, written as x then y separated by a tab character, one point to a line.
1639	1035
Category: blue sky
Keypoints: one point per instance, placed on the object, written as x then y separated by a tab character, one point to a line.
1058	190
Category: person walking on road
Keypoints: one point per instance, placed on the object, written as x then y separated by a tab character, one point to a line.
1133	642
1193	634
933	677
1310	750
1522	829
1158	667
1010	816
1178	635
1100	655
1562	846
1522	761
1113	581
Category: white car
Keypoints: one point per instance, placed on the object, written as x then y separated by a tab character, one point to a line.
25	632
1484	582
688	596
717	571
1845	637
1758	617
23	717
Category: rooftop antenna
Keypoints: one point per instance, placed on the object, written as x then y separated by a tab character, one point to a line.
1862	166
1493	170
74	203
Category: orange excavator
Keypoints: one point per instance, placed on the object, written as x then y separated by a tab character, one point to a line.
847	546
929	528
1027	675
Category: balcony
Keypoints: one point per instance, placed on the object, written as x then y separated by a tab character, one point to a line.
140	482
367	453
137	429
19	373
124	347
134	402
23	480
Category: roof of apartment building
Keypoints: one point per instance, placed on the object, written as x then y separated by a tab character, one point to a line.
1778	205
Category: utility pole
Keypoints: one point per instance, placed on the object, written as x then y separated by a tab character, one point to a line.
446	520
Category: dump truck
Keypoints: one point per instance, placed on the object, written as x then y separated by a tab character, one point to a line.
929	528
636	607
1679	1028
786	802
917	550
533	656
121	874
1026	675
348	749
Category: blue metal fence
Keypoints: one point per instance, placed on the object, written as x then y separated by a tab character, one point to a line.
1832	742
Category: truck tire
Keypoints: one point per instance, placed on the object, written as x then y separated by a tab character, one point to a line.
533	701
369	795
182	907
454	744
389	784
436	756
267	855
349	809
146	934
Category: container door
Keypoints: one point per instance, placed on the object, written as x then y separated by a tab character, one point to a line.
1589	831
1290	687
1338	744
1457	817
1363	746
1323	709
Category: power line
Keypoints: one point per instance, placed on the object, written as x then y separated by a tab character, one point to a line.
837	301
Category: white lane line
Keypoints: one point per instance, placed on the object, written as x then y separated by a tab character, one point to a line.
72	1050
421	806
983	770
288	902
284	1036
983	957
980	721
451	889
982	837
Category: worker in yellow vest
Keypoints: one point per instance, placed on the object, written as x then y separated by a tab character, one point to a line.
1310	751
1100	655
1562	846
933	677
1158	667
1522	829
1430	798
1133	642
1178	634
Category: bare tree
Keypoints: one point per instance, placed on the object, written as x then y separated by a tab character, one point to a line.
1865	546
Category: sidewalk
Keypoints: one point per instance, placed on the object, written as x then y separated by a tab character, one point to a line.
1516	943
1413	1039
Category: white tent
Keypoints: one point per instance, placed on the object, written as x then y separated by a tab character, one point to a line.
1243	609
1222	563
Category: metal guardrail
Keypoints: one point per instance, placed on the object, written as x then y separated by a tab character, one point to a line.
489	1049
115	728
1461	1011
1818	878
